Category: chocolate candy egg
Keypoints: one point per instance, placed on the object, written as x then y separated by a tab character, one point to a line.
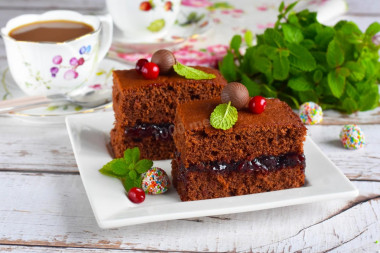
164	59
311	113
155	181
352	137
237	93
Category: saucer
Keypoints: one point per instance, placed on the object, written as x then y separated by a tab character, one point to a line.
57	112
190	23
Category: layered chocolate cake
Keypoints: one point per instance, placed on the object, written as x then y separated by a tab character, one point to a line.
260	153
145	109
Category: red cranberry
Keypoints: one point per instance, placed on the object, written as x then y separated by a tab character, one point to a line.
139	64
145	6
136	195
150	70
257	104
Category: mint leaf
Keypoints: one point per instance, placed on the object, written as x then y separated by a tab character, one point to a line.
235	43
274	38
356	70
131	156
350	105
335	55
191	73
301	58
300	84
336	83
109	173
248	37
117	166
227	67
372	29
224	116
292	33
132	174
281	7
144	165
370	99
128	184
252	87
317	76
137	182
280	67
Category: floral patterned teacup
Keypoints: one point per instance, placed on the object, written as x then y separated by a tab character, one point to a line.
142	20
43	68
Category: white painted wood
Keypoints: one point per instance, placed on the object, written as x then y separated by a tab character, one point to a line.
35	146
49	209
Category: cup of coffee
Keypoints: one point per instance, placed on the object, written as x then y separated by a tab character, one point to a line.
57	51
143	21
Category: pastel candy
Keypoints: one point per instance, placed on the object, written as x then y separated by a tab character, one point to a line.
155	181
352	137
311	113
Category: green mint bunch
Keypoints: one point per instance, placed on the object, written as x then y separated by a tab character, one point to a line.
128	169
301	60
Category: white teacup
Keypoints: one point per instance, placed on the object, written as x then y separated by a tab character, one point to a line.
141	20
43	68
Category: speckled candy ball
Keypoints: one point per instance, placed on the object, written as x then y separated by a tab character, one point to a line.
352	137
311	113
155	181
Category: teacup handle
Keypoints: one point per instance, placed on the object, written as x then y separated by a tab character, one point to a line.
106	35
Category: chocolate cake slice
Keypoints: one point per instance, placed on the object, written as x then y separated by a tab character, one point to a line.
262	152
145	109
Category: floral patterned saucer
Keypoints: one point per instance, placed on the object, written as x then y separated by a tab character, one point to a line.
56	112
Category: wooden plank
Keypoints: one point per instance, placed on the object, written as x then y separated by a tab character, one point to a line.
53	210
35	146
34	249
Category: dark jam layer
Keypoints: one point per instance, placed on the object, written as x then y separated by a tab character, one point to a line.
160	132
262	164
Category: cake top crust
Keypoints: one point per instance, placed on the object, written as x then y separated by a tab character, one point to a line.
195	116
128	79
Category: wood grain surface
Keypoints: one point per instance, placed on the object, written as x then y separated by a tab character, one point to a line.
44	207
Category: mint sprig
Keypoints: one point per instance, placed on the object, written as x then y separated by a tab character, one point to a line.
128	169
224	116
301	60
191	73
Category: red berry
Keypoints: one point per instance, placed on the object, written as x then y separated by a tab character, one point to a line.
145	6
136	195
150	70
257	104
139	64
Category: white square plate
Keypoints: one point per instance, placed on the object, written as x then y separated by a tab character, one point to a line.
89	135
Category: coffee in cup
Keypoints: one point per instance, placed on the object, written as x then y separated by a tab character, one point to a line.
55	52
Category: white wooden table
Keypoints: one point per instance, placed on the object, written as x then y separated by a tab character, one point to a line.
43	205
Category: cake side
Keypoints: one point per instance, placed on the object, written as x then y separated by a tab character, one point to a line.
277	131
206	184
137	100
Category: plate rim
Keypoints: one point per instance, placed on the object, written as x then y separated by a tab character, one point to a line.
348	191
